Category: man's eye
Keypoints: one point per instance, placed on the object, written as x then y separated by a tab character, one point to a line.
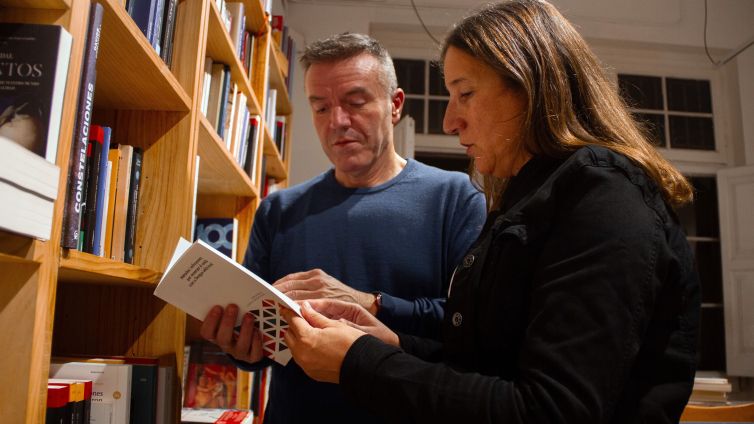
466	94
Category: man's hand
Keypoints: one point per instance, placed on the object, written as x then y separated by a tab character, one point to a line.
218	328
317	284
318	344
356	317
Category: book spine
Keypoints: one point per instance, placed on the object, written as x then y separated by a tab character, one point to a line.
101	200
220	124
166	51
94	159
157	18
133	206
77	167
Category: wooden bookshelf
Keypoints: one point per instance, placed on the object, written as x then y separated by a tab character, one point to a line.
56	301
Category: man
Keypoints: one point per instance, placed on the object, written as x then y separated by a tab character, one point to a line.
391	229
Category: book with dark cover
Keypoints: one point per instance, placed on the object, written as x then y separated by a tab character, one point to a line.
33	73
93	161
220	124
77	166
142	12
99	212
133	206
168	31
58	409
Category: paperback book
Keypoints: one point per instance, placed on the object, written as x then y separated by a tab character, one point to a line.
199	277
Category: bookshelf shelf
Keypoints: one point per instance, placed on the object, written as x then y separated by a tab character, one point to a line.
275	165
220	49
219	173
83	267
59	301
33	4
130	74
277	81
19	249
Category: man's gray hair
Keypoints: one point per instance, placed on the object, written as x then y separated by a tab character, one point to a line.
347	45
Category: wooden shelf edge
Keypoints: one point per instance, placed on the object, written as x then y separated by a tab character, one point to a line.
275	165
160	89
80	267
15	248
219	173
37	4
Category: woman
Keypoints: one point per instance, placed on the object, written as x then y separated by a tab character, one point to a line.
578	303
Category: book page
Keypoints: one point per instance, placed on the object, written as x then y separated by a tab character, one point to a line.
200	277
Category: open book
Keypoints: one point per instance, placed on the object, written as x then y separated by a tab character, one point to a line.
199	277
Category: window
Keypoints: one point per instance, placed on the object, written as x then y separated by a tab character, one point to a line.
426	96
677	111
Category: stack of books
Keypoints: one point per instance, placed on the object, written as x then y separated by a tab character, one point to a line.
710	390
28	189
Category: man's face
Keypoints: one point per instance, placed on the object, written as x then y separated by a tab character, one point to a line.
353	113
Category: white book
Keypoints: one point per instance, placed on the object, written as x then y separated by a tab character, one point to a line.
199	277
165	393
111	388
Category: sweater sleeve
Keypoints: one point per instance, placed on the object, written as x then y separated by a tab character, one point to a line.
423	316
590	306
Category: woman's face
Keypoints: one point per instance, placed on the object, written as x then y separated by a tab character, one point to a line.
486	113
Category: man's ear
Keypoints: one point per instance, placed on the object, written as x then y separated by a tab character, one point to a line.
397	105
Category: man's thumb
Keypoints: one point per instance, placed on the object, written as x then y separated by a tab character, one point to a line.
314	318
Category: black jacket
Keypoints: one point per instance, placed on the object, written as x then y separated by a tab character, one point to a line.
579	303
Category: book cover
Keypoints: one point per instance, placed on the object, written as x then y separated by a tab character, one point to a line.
211	378
32	84
111	388
77	166
220	233
251	160
199	277
81	393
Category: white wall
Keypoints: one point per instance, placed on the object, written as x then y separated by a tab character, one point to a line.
663	22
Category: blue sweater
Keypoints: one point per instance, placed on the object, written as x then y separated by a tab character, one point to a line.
402	238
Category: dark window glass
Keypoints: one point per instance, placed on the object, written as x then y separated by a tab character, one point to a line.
415	109
711	343
436	114
655	124
701	218
686	95
436	81
709	267
688	132
641	92
410	75
448	162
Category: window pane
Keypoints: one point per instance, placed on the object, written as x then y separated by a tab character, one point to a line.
641	92
688	132
700	218
711	345
686	95
415	109
436	114
709	267
449	162
436	81
655	124
410	75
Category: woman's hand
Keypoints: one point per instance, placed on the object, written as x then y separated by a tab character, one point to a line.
219	328
318	344
355	316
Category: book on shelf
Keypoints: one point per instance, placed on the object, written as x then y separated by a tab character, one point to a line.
80	399
225	93
200	277
28	189
111	387
148	16
219	233
32	85
237	25
132	213
58	409
251	160
89	205
168	31
77	166
211	378
102	194
165	394
120	184
216	416
710	390
280	122
218	74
